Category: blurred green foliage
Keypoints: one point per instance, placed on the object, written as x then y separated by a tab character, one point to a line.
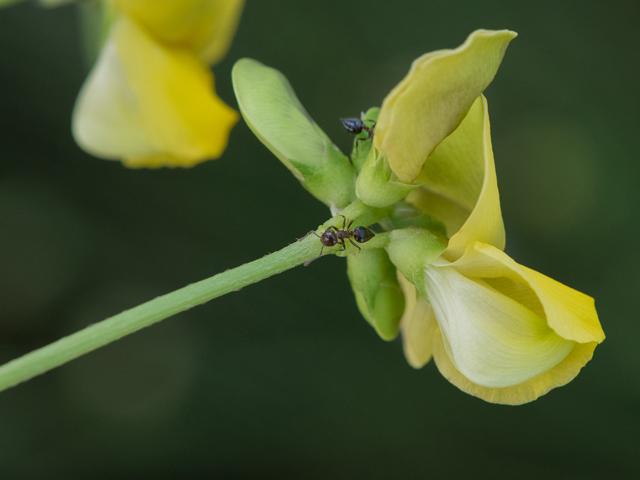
285	379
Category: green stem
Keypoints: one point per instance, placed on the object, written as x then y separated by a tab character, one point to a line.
129	321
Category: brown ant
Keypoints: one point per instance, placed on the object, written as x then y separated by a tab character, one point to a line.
355	126
330	237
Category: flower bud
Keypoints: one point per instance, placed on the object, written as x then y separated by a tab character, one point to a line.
412	249
276	116
378	294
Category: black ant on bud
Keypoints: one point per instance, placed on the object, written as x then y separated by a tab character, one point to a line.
355	126
333	236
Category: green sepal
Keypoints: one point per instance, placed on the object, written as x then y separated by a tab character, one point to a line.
412	249
377	186
275	115
327	181
377	291
362	143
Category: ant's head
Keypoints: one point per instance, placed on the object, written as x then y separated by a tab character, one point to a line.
361	234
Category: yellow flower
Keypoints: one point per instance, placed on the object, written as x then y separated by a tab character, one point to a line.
149	100
497	330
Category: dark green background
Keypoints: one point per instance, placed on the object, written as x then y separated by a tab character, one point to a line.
285	379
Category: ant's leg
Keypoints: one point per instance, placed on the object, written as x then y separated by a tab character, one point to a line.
355	245
344	222
312	231
344	247
369	131
349	227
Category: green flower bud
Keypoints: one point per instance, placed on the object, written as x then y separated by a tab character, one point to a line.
378	294
412	249
276	116
377	186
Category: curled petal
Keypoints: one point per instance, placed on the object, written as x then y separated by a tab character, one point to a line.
525	392
434	97
206	27
492	339
418	326
571	314
150	105
460	185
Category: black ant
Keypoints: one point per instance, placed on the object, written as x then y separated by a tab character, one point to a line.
330	237
356	126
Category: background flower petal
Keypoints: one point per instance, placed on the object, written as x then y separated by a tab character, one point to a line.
106	118
179	111
492	339
143	101
434	97
206	27
525	392
569	313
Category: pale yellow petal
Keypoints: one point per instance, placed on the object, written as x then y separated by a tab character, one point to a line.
492	339
434	97
569	313
485	221
459	185
418	326
206	27
456	168
525	392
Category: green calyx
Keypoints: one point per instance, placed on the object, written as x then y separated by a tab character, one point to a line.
377	292
377	185
275	115
412	249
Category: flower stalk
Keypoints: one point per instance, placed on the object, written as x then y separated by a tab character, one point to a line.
130	321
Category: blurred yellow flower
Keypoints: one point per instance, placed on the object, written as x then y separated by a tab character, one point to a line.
496	329
149	100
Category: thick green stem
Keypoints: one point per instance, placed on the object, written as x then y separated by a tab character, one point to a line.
129	321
